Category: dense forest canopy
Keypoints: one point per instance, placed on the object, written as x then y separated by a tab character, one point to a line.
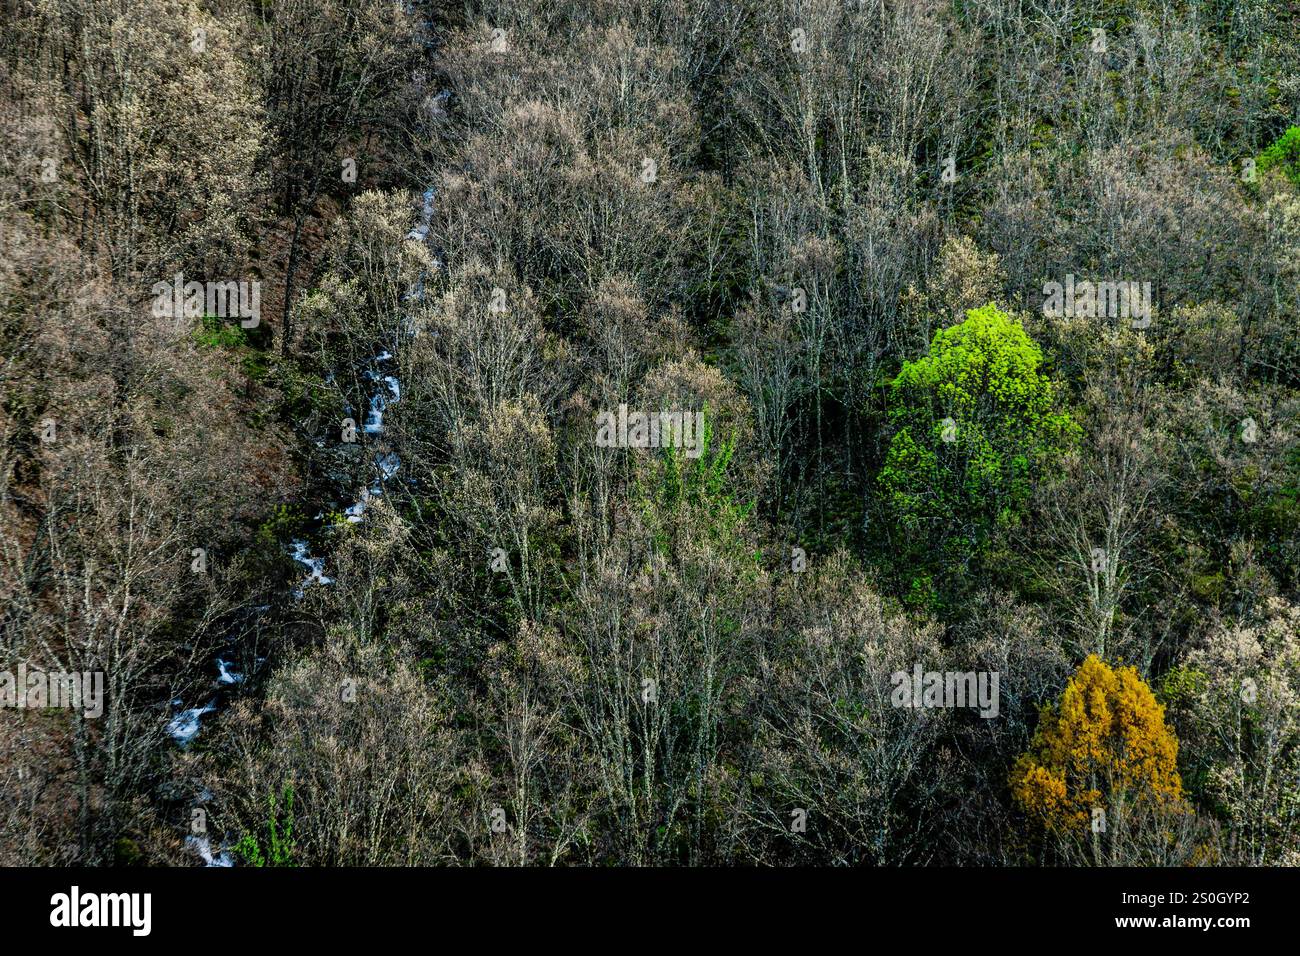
694	432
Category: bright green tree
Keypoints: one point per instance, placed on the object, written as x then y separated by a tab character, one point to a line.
1283	155
976	424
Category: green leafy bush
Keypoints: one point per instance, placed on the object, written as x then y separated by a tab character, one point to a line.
278	848
1283	155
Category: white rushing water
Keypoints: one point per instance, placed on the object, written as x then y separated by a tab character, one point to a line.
225	675
203	847
185	725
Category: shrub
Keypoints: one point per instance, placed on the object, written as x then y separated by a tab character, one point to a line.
1283	155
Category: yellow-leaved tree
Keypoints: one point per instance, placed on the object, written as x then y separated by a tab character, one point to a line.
1101	758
